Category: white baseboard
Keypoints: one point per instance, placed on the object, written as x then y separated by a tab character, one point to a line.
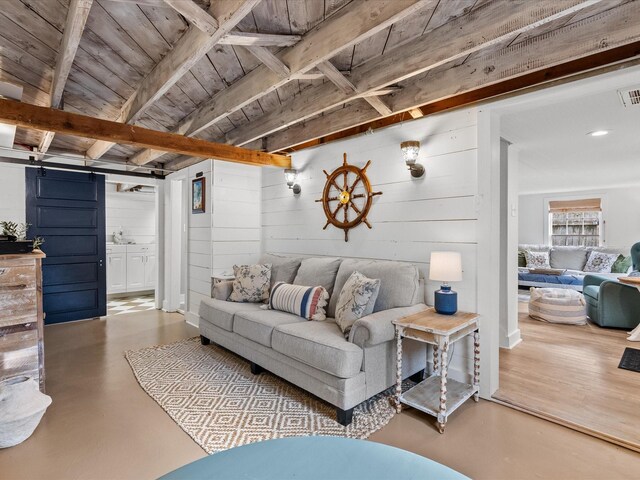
512	340
192	319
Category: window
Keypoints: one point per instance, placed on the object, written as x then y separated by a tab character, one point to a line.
575	223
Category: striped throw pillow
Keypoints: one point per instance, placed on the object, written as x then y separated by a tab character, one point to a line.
306	302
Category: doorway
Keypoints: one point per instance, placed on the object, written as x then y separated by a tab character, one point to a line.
575	188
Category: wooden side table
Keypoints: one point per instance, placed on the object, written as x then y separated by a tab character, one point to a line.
437	395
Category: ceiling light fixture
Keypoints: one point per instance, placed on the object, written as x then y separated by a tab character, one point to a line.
599	133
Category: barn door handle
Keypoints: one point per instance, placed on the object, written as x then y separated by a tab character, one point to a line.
18	286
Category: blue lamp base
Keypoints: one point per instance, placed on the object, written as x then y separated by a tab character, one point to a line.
446	300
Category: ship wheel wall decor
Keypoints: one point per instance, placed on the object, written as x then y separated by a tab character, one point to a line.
344	208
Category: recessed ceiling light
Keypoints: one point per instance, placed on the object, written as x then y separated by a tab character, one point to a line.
599	133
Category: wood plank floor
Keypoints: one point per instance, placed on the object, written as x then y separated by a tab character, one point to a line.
570	374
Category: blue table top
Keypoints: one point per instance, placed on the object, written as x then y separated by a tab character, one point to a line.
314	458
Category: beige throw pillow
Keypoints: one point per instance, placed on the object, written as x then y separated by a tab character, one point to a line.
357	294
251	284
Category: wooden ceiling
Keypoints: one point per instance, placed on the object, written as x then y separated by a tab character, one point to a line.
272	74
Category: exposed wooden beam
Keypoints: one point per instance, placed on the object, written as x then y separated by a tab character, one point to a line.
349	25
194	15
344	84
272	62
42	118
191	47
201	19
73	28
615	37
481	28
246	39
416	112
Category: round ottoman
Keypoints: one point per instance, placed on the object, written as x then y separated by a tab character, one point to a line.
314	458
558	305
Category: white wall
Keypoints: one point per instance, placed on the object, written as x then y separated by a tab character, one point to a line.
622	224
12	193
412	218
235	232
134	212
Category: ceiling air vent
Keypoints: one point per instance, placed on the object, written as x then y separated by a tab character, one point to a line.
630	97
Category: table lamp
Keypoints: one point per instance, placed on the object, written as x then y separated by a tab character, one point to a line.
446	267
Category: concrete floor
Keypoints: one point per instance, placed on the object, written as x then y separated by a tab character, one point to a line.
101	424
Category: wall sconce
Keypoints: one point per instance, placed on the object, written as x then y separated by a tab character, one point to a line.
291	175
410	150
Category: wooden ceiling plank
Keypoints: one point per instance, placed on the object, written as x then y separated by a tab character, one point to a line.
601	33
191	47
478	29
348	26
32	117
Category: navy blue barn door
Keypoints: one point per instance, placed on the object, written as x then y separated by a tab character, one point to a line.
67	210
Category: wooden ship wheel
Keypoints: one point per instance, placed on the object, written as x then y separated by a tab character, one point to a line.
345	207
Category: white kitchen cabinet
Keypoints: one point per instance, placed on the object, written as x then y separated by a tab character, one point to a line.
131	268
135	271
150	271
116	269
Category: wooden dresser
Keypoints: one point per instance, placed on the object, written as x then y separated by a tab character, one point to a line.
21	316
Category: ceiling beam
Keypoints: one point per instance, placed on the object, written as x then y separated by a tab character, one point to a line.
247	39
195	15
481	28
344	84
350	25
191	47
272	62
42	118
604	38
73	28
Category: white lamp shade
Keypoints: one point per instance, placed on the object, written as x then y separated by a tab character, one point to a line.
445	267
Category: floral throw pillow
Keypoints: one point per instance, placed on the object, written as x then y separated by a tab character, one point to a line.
251	284
357	294
537	259
600	262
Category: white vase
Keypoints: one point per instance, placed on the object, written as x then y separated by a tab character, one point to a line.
22	406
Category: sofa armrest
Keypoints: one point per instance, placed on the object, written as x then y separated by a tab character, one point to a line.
596	280
377	327
222	290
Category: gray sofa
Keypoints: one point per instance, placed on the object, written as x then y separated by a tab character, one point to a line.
315	355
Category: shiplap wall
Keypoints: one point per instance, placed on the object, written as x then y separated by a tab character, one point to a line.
134	212
412	218
199	257
235	231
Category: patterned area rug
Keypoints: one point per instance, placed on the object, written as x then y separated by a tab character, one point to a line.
212	395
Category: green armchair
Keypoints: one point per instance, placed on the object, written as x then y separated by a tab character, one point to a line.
611	303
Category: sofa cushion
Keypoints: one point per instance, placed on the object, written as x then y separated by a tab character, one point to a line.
221	313
318	271
600	262
251	284
283	267
399	283
356	300
537	259
320	345
570	258
307	302
622	264
258	325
